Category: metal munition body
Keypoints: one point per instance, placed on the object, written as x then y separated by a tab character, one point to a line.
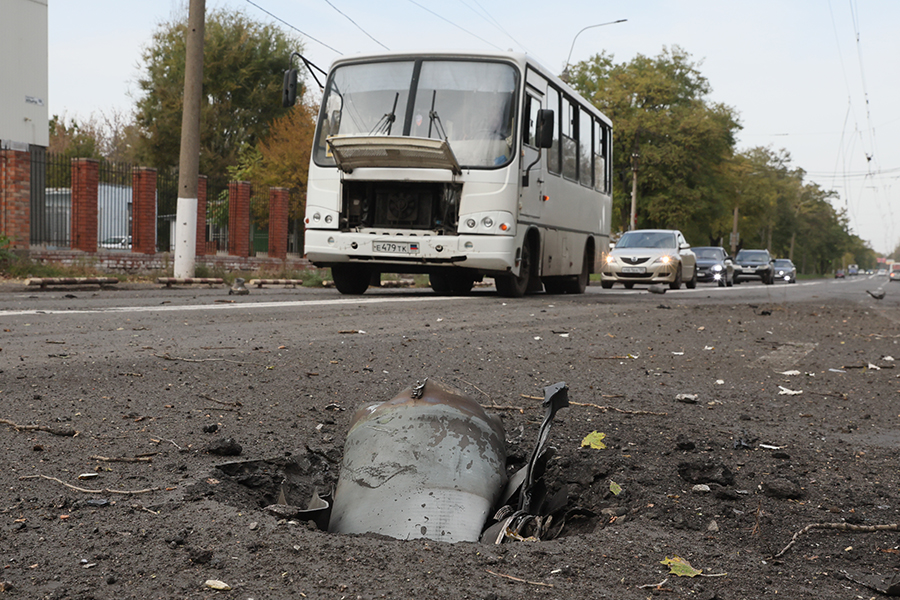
430	463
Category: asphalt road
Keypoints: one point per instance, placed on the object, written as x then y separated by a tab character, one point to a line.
89	322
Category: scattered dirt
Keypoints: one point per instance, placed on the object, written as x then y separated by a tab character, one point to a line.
151	499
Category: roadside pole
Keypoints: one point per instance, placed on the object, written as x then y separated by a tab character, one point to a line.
189	162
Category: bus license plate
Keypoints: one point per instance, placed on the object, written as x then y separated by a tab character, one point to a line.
395	247
634	269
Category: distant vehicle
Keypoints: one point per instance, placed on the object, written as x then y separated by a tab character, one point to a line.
458	165
651	256
119	242
785	269
895	272
839	274
714	264
852	270
755	264
881	272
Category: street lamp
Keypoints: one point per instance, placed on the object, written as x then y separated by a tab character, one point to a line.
565	74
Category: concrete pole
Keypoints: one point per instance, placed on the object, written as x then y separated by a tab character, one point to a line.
189	163
734	232
632	224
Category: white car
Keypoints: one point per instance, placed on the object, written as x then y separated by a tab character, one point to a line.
650	256
118	241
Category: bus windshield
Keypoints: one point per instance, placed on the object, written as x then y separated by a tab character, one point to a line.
471	104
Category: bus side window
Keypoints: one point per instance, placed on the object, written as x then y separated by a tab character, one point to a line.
532	109
584	148
553	153
569	140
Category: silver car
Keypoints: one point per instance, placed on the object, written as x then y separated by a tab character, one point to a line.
650	256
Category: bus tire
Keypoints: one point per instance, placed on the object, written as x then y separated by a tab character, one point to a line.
451	282
515	286
578	284
351	279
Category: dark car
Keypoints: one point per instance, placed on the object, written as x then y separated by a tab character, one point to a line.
714	264
754	264
839	274
785	269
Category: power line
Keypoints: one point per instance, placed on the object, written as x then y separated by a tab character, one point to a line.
280	20
489	18
455	25
356	24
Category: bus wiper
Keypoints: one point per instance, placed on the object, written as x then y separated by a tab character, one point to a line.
386	122
435	119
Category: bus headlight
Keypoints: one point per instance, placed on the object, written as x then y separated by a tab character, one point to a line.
487	222
470	223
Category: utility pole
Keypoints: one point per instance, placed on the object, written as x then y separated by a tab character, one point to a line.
189	162
734	232
632	225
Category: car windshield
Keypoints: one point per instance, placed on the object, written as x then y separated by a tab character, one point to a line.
709	253
753	255
471	104
648	239
783	263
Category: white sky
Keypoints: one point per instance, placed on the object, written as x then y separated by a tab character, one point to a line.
819	78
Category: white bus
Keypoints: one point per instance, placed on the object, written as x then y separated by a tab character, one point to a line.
462	166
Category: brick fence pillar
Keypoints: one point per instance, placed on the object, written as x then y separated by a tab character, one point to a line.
85	181
15	197
201	216
143	227
239	218
279	198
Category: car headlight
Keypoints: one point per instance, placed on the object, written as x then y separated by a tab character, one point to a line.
664	260
717	268
610	259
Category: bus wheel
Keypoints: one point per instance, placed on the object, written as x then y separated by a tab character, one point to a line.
451	282
513	286
350	279
579	283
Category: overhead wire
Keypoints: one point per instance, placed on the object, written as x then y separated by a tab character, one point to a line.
280	20
356	24
489	18
461	28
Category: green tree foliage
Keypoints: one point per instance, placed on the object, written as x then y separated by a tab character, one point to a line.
681	140
70	140
243	65
282	158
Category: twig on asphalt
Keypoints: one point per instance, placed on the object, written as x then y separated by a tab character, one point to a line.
619	410
63	431
519	579
122	458
837	527
211	399
157	441
657	586
87	491
200	360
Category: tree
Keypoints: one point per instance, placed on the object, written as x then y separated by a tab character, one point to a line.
243	65
681	141
282	158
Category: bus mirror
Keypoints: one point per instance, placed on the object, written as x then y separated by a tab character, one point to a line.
289	92
544	133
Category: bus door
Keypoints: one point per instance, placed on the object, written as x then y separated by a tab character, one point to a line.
531	197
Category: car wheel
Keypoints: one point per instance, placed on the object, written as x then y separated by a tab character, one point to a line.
606	285
628	285
675	285
692	283
731	282
769	280
722	283
350	279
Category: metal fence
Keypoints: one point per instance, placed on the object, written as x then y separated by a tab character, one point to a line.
51	209
51	199
114	206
